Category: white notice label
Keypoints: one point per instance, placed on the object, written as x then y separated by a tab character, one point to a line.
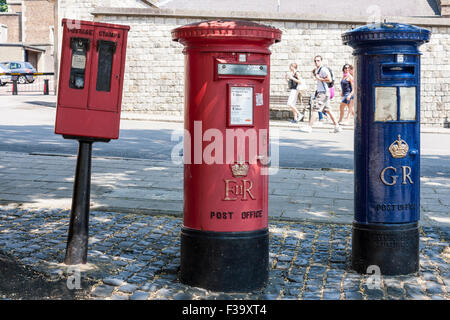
407	103
78	61
385	104
259	99
241	106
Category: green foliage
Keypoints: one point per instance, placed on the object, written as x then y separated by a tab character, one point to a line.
3	6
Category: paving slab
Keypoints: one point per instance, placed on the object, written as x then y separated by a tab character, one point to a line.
150	186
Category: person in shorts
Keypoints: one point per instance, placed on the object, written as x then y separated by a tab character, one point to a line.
321	101
347	95
293	79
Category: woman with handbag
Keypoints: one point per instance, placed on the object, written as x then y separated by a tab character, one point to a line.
296	85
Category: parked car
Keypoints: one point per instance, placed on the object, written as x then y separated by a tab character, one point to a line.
4	79
21	67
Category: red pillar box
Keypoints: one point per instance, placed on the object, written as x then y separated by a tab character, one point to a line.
91	79
225	237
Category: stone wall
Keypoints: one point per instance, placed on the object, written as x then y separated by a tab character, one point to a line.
445	8
14	6
10	53
435	95
38	21
12	21
154	79
3	33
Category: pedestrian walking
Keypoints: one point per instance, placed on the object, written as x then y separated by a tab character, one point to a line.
352	102
321	101
294	82
347	94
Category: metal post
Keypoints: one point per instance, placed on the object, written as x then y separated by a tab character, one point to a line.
77	243
46	90
14	88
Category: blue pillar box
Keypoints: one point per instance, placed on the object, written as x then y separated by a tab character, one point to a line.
387	146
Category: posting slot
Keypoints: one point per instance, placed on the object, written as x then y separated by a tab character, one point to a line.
398	71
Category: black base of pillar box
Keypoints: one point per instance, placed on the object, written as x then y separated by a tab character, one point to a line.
394	248
225	261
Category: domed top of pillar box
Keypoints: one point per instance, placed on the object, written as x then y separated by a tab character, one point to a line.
386	33
223	31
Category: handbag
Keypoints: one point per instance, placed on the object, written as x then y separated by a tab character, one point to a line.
331	93
301	87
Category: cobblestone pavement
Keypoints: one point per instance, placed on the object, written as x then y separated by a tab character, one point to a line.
133	256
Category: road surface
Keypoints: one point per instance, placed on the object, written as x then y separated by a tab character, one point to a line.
27	125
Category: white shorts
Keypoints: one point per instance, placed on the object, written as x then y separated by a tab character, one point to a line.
292	100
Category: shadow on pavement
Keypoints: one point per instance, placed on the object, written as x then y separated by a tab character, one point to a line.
21	282
43	103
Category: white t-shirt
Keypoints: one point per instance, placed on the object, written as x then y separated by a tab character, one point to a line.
322	86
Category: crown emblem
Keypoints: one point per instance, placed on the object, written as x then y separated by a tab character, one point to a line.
239	169
399	148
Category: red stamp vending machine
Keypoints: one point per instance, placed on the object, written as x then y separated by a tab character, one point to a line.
91	79
91	75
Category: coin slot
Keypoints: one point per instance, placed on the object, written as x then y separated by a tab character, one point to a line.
79	47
